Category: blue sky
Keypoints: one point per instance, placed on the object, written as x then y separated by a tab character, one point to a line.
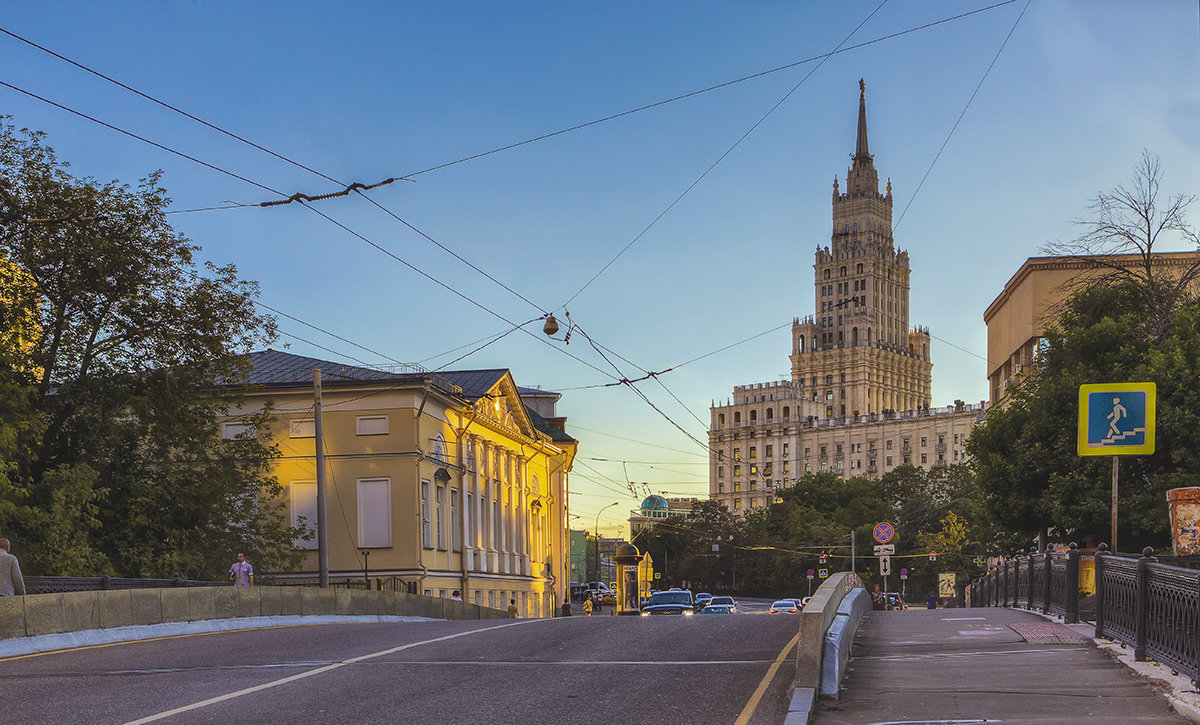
367	91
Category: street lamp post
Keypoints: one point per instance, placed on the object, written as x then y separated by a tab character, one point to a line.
599	576
665	552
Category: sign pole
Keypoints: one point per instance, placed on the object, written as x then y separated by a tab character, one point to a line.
1114	504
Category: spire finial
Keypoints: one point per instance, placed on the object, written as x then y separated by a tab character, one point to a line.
862	150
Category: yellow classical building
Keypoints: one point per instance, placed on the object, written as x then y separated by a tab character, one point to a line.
436	482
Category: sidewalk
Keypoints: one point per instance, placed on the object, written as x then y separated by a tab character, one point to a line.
987	665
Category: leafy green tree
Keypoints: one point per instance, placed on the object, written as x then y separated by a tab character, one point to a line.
1134	318
120	464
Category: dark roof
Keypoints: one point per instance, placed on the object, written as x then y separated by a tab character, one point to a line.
274	367
474	383
545	426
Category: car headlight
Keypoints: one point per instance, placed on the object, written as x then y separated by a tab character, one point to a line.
688	612
645	614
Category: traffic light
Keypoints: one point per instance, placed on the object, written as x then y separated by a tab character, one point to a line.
933	556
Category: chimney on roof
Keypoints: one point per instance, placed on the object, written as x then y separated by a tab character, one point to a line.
558	423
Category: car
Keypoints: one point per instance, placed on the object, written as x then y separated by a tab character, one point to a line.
785	606
608	596
894	602
804	602
674	601
702	600
718	609
728	601
799	602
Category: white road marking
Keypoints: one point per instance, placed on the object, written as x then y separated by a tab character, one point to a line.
901	658
964	619
318	671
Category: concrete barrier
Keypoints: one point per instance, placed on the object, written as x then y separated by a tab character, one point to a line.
815	621
838	639
41	614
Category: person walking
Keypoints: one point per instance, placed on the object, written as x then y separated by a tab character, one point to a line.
512	608
11	581
566	608
456	596
241	573
931	601
587	607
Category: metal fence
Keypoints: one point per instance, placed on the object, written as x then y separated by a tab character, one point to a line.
1152	607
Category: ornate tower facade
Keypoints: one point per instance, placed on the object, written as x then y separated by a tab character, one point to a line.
856	355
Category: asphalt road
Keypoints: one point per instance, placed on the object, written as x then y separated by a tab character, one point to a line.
600	669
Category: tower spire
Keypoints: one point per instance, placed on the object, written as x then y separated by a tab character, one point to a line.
862	150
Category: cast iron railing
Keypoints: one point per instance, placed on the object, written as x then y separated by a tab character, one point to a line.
1153	608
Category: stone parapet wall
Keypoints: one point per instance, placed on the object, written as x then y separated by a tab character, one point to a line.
40	614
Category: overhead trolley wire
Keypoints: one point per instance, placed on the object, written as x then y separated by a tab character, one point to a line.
938	155
722	157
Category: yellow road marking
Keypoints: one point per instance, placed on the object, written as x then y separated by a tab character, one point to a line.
752	705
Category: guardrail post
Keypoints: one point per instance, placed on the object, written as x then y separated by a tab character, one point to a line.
1029	601
1071	591
1143	609
1048	575
1098	570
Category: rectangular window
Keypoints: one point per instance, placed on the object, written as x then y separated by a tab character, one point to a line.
229	431
889	447
889	458
753	453
785	466
372	425
721	487
823	451
737	504
440	510
922	441
306	428
374	513
303	496
720	471
753	486
769	451
923	458
785	448
737	471
426	517
737	486
455	522
807	452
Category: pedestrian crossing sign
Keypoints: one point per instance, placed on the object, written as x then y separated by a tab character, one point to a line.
1116	419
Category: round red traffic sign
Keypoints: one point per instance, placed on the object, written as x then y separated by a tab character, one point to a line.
810	573
884	532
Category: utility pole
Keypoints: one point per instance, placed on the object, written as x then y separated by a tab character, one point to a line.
322	519
853	569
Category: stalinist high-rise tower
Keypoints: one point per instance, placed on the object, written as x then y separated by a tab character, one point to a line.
858	400
857	353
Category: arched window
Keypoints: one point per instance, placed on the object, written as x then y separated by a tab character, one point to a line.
854	336
770	413
800	343
859	268
737	417
827	274
843	271
753	415
439	448
786	412
720	419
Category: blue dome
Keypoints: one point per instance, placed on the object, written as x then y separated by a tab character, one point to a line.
654	502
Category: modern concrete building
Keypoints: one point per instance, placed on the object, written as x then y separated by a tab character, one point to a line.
436	481
858	401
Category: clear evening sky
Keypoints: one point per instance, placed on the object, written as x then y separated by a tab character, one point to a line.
361	92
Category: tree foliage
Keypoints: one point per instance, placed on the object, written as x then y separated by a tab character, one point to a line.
114	353
1124	321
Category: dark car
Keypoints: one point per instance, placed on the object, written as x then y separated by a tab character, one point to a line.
702	600
717	609
676	601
